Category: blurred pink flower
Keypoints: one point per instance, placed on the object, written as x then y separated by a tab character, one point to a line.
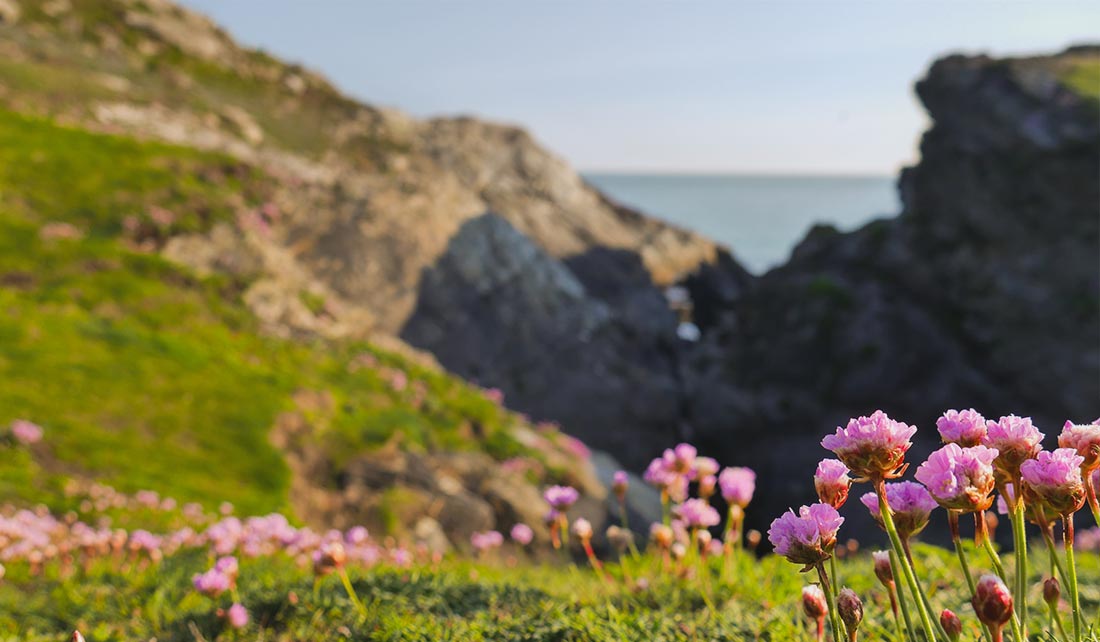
26	432
737	485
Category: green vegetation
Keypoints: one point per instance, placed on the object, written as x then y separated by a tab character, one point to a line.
1083	76
146	376
458	601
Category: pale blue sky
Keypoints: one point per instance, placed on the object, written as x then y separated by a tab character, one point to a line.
818	87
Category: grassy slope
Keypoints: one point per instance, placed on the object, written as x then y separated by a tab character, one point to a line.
145	376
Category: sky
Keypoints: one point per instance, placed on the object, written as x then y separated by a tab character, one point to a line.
672	86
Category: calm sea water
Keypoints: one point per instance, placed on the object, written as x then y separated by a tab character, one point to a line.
760	218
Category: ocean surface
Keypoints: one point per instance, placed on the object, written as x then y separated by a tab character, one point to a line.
759	218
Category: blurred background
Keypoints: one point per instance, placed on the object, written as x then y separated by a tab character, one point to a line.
405	263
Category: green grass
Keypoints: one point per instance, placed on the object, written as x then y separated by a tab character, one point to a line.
146	376
466	601
1083	76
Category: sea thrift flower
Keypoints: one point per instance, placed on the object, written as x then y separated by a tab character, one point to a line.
737	485
910	504
237	616
850	609
561	498
486	541
966	427
582	528
212	583
661	535
26	432
951	624
77	637
960	478
705	466
753	538
1016	441
619	485
807	537
831	481
522	534
1053	479
681	460
815	607
872	447
1085	439
992	602
329	557
707	484
697	513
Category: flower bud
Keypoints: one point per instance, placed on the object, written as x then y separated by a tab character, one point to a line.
703	539
678	551
992	602
582	528
1052	591
77	637
951	624
619	538
850	608
661	535
813	602
619	485
752	538
883	570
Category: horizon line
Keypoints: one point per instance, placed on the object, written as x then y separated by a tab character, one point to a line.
757	173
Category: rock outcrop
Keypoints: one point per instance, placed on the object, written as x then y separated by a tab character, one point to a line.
984	292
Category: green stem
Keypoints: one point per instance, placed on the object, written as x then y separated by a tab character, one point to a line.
626	527
351	592
827	589
987	544
1057	619
924	596
1019	543
1071	568
836	576
953	520
906	568
901	599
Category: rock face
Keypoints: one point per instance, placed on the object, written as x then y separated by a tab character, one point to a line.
592	355
984	292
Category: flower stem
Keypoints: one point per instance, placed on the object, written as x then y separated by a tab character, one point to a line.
1071	569
956	539
351	592
626	527
901	598
906	568
836	576
1019	543
828	591
923	596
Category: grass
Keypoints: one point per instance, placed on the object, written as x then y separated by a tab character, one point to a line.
460	600
146	376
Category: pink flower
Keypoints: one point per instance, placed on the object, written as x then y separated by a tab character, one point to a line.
705	466
737	485
960	478
486	541
582	528
697	513
963	427
212	583
681	460
831	481
1015	439
1053	480
910	504
561	498
1085	439
237	616
522	534
872	447
620	482
807	537
26	432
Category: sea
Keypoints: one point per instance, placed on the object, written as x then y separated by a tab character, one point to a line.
759	218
